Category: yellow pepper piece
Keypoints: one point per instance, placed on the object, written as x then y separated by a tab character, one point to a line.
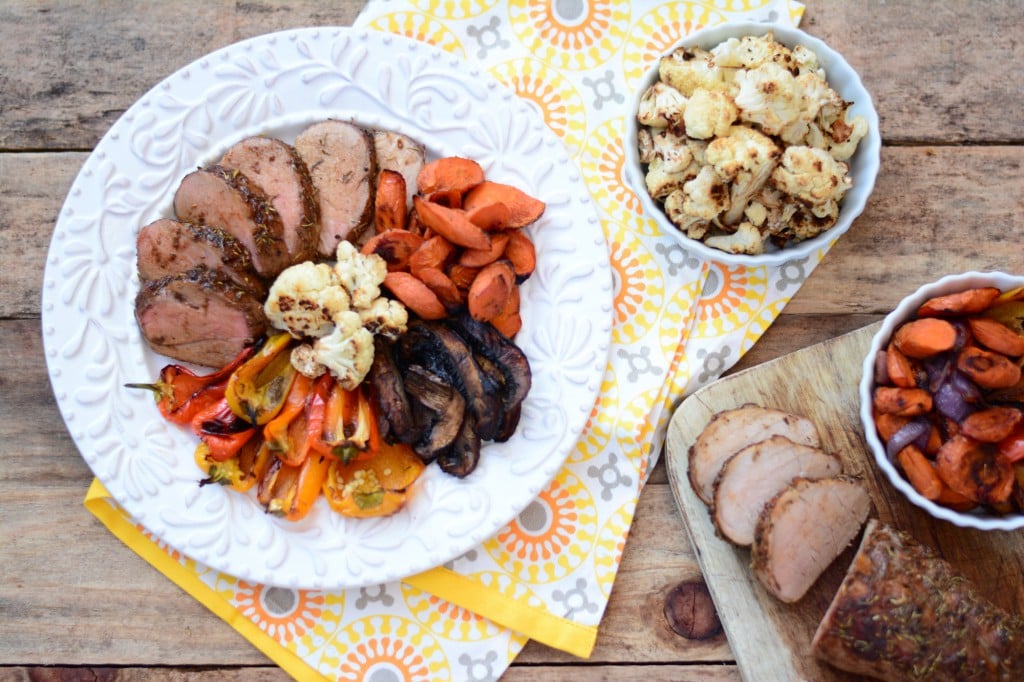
257	390
290	491
242	471
374	487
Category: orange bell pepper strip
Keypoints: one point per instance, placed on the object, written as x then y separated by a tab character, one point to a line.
377	486
180	393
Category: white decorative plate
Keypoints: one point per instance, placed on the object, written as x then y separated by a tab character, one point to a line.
277	84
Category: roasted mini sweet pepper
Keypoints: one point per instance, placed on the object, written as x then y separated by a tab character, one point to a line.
373	487
240	472
180	393
290	491
257	390
287	434
222	430
349	430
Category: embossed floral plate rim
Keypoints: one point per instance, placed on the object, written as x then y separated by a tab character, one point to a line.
276	84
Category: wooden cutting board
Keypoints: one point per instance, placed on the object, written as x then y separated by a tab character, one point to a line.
771	640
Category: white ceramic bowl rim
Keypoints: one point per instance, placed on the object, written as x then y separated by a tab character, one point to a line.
863	165
903	311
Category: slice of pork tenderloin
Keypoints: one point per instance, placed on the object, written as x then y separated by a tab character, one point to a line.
904	614
756	474
342	163
199	316
731	430
168	247
279	171
802	530
402	154
225	198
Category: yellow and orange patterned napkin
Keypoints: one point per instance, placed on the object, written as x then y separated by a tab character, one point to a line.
679	323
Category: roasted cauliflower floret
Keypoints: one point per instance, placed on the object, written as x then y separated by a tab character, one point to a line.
842	150
692	226
304	300
751	51
662	179
360	274
709	113
811	176
746	239
768	95
347	352
675	151
746	158
385	317
686	70
661	106
706	195
807	61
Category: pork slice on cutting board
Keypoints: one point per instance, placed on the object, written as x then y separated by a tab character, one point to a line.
226	198
168	247
757	473
731	430
803	529
199	316
343	165
279	171
903	613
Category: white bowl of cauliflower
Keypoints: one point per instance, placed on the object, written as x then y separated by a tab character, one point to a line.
752	144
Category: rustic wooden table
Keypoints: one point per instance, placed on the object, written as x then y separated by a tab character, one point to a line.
74	602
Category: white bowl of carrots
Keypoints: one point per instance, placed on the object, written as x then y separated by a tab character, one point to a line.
942	399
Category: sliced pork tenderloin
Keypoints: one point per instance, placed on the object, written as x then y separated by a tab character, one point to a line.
199	316
731	430
342	163
279	171
802	530
903	614
168	247
226	198
756	474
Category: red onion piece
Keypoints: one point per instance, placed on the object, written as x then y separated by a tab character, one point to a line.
964	386
881	369
912	432
951	403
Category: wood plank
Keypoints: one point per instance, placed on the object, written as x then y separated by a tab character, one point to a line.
92	60
771	640
518	673
924	216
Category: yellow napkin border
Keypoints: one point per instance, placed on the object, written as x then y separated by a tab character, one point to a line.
536	623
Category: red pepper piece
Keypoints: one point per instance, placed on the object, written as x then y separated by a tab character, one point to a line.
179	391
222	430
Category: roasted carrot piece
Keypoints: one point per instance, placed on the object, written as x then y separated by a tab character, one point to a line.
508	321
451	224
968	302
988	369
954	500
415	295
996	336
934	440
462	275
449	173
450	198
524	209
489	292
450	295
432	253
898	367
889	424
920	472
992	424
477	258
490	217
396	247
975	470
925	337
389	206
903	402
522	254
